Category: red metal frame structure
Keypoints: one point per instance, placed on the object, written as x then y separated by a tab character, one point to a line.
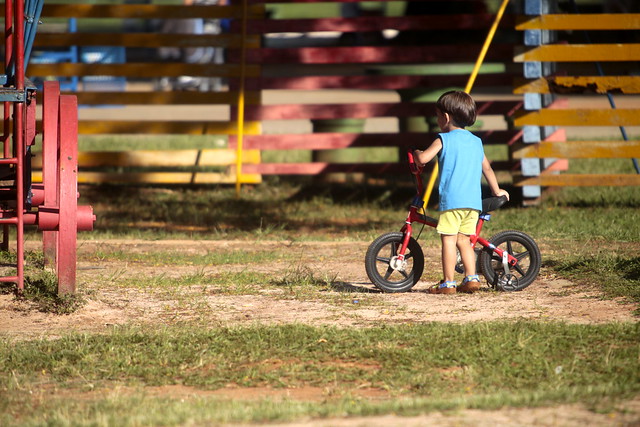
52	205
14	153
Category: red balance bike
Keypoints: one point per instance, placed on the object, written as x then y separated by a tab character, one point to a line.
509	261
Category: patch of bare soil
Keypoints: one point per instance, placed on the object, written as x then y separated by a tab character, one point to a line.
357	304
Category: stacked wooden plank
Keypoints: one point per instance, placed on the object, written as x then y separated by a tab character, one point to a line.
413	55
556	65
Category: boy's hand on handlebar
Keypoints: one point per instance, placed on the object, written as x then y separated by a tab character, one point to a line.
501	192
416	158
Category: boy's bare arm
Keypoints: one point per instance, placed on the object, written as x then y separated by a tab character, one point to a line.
490	176
423	157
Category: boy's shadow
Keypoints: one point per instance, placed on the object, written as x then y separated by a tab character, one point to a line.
358	287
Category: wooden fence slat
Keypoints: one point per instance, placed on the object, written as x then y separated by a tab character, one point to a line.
148	158
326	141
593	21
333	1
321	167
371	54
579	180
579	150
149	11
162	98
579	53
579	84
141	70
365	110
376	81
375	23
150	40
182	178
110	127
579	117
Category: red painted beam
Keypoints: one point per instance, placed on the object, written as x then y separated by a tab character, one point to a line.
375	23
322	168
372	55
320	141
373	81
365	110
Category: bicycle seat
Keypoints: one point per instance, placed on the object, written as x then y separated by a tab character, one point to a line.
490	204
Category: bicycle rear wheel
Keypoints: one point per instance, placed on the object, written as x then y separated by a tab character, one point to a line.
524	249
386	271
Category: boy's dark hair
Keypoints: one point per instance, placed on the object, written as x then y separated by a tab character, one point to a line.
460	106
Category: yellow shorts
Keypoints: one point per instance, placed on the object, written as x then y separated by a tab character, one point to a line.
458	221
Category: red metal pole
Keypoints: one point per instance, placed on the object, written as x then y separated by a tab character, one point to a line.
18	134
8	51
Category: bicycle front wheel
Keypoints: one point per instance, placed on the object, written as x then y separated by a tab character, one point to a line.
384	268
524	249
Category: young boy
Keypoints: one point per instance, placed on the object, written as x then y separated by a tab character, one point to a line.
462	163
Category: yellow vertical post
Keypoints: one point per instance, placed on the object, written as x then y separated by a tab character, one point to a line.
470	82
240	116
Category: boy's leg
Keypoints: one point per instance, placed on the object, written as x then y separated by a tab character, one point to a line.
470	283
448	285
449	256
467	254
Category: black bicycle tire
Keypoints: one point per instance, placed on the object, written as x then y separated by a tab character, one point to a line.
532	250
373	258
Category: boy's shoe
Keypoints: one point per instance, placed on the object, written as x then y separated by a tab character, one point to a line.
470	284
443	288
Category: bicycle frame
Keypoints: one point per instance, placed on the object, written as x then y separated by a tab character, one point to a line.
417	206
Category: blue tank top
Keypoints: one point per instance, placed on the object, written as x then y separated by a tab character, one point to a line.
460	163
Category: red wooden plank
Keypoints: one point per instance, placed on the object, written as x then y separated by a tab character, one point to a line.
365	110
336	1
373	55
331	140
375	23
376	81
322	168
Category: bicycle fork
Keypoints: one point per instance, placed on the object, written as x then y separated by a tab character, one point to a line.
508	260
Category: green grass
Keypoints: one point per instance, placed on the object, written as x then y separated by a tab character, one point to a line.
181	258
40	285
420	368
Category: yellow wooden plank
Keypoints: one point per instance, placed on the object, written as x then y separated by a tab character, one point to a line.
149	11
593	21
580	180
108	127
578	84
141	70
579	150
579	117
159	178
163	98
149	158
579	53
150	40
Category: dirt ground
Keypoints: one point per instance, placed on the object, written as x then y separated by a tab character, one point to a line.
549	298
